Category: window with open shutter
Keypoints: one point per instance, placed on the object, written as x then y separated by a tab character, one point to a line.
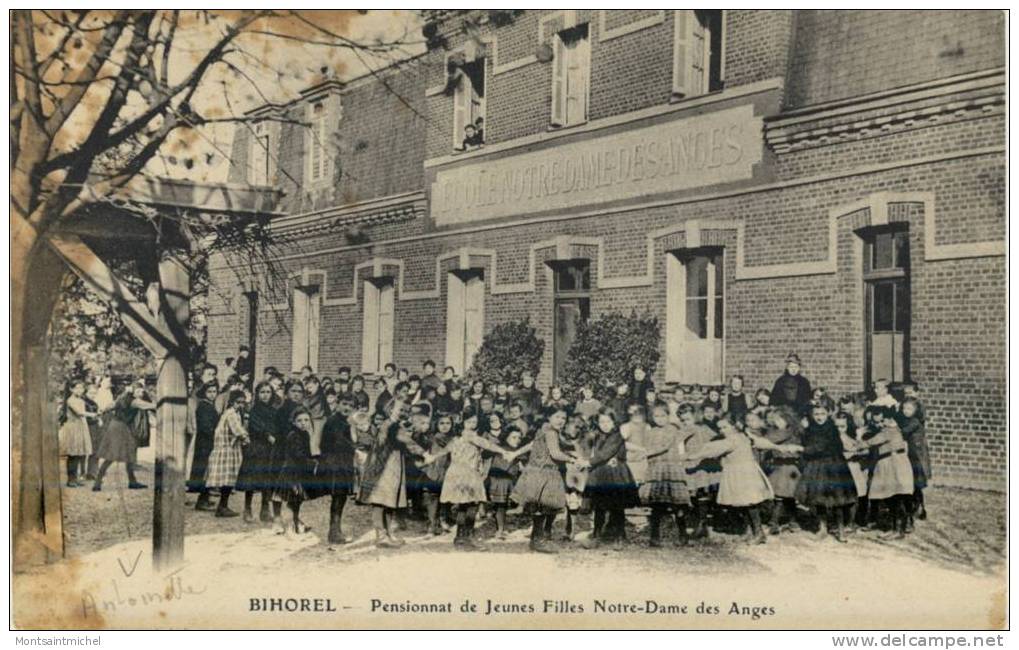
465	317
259	160
571	73
387	312
318	158
370	328
469	104
698	57
474	317
305	328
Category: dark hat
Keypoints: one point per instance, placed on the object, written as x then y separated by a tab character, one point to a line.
421	408
792	358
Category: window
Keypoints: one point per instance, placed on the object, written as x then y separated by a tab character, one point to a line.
465	317
887	303
304	347
469	106
319	162
572	305
259	160
698	56
377	331
571	75
695	318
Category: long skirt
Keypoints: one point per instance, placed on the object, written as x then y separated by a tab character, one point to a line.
75	439
860	475
203	445
893	475
539	489
784	475
744	484
118	443
391	489
665	485
256	472
920	459
462	485
611	487
826	481
224	463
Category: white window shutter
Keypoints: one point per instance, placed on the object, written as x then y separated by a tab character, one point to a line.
370	328
675	316
461	108
558	81
387	313
314	309
721	54
455	322
681	52
299	343
577	55
700	46
474	314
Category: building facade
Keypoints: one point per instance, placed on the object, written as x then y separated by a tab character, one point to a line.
829	183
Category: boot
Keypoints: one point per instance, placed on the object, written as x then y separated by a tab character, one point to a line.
472	540
538	543
382	539
204	502
655	526
336	535
263	514
681	537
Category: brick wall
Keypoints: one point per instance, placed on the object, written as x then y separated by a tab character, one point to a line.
958	306
839	54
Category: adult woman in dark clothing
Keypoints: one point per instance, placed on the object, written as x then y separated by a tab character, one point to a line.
792	388
119	442
256	467
206	419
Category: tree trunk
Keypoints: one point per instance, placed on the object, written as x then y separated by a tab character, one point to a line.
35	462
171	416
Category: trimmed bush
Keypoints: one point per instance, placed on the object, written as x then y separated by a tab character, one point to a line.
505	352
607	350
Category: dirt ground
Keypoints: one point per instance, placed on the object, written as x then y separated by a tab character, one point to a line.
949	574
965	529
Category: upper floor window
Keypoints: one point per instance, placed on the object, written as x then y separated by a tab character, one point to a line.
698	57
319	163
469	106
259	160
571	76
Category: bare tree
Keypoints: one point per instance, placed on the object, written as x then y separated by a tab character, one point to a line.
96	96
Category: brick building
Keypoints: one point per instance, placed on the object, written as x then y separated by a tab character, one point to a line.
763	181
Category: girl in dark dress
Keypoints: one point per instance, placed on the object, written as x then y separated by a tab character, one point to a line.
296	480
206	419
119	443
540	490
914	431
640	384
826	485
610	486
284	419
256	467
336	474
735	400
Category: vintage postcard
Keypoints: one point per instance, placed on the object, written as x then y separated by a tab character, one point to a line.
452	319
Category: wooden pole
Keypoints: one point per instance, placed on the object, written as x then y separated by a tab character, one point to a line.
171	418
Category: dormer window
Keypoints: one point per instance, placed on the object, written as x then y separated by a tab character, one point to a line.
698	56
260	161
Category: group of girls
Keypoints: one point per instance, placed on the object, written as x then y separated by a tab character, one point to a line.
97	430
693	457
